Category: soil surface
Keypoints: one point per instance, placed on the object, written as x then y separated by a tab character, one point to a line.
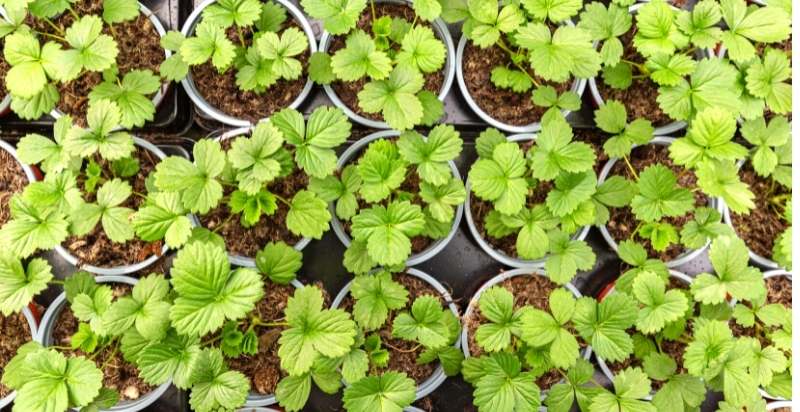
264	368
622	223
14	332
403	354
12	181
528	291
348	91
95	248
640	97
4	68
220	89
779	290
504	105
118	374
139	49
243	241
764	224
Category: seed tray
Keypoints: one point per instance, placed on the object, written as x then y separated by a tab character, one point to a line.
173	115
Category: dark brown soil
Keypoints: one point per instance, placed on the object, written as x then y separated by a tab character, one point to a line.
248	241
220	89
622	222
118	374
504	105
779	290
14	332
640	97
348	91
4	68
139	48
761	227
264	368
95	248
12	180
426	404
403	354
528	291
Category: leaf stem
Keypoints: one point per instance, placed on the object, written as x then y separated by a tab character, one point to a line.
372	6
73	13
110	357
502	44
419	345
241	35
59	30
57	281
630	167
52	36
282	200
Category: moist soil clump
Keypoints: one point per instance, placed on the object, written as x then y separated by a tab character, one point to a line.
247	241
14	332
403	354
640	97
504	105
12	181
220	89
264	368
118	374
532	291
139	47
348	91
622	223
779	290
95	248
764	224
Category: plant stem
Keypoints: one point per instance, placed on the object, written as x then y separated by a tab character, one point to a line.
225	222
73	13
56	282
241	35
110	357
372	6
630	167
282	200
502	44
403	350
59	30
52	36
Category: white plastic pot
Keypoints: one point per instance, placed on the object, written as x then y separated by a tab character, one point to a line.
350	154
126	269
13	152
780	404
497	254
214	113
46	339
240	260
578	87
767	275
162	91
438	376
32	328
683	258
439	28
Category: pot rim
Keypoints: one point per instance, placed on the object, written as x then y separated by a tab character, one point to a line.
490	250
124	269
779	404
438	376
49	321
578	87
440	29
158	98
216	114
600	361
240	260
13	152
33	329
338	228
685	256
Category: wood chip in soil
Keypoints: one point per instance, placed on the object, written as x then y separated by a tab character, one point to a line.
12	181
14	332
348	91
762	226
528	290
622	222
220	89
504	105
95	248
118	374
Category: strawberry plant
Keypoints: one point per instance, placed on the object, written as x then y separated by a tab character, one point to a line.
397	197
383	60
538	194
62	44
249	181
93	184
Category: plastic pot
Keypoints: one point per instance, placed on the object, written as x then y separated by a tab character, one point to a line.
46	339
439	29
438	376
780	404
33	330
13	152
162	91
578	87
598	98
602	363
126	269
684	257
240	260
216	114
767	275
258	409
497	254
350	154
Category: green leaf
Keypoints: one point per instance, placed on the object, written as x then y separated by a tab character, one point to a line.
424	324
360	58
606	24
292	392
375	296
701	24
722	179
630	386
571	189
767	138
213	386
709	137
512	79
131	96
679	393
31	229
387	230
567	52
421	49
604	324
103	117
659	195
567	257
55	382
660	234
308	215
196	182
163	218
209	43
90	50
395	98
555	152
50	154
254	157
315	143
659	307
19	285
31	64
767	79
225	13
279	262
555	11
497	305
443	199
390	392
657	31
712	84
746	25
320	68
705	226
499	179
338	16
733	276
503	387
282	50
431	155
118	11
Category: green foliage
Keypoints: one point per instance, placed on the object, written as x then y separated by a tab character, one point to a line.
660	195
709	138
214	386
550	331
500	384
612	118
603	324
19	285
374	297
747	25
427	323
338	16
606	24
279	262
631	386
733	276
557	56
389	392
